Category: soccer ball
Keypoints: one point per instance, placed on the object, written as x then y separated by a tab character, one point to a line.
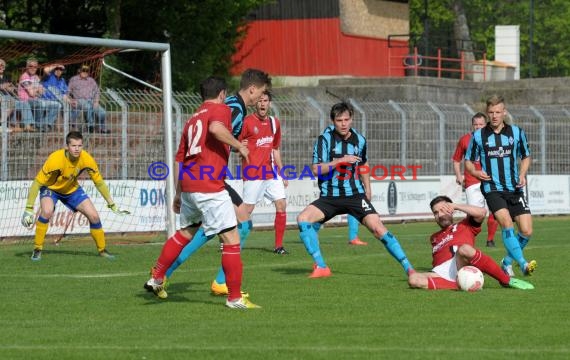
469	278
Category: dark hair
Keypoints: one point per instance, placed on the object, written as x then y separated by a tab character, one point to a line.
269	94
438	199
479	115
211	87
339	108
254	77
75	135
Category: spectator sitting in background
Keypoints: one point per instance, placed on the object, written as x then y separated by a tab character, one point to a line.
83	89
54	96
29	92
7	90
6	86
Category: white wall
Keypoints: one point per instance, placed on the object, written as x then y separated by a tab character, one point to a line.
507	46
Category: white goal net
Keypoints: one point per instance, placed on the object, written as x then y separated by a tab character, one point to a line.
130	146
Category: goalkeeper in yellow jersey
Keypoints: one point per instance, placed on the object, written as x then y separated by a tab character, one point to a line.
57	181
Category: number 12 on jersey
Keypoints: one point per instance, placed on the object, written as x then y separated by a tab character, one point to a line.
194	135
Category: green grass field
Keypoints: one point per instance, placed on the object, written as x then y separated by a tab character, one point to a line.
75	305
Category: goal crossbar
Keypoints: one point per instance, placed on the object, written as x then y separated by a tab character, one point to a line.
164	49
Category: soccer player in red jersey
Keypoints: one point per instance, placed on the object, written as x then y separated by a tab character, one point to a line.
201	198
252	85
453	247
261	134
470	183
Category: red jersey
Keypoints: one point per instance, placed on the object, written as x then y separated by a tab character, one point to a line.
262	135
204	158
446	241
459	155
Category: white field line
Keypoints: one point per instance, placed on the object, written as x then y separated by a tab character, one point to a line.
192	348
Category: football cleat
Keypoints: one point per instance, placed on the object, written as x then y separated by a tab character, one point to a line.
219	289
520	284
280	251
242	303
529	268
319	272
159	289
357	241
222	290
104	253
507	269
490	243
36	255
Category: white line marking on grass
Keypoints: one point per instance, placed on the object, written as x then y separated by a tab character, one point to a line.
309	349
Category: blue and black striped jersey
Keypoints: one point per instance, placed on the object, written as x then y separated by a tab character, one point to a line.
340	181
498	154
239	111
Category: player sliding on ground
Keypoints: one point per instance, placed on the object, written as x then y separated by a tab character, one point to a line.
57	181
453	248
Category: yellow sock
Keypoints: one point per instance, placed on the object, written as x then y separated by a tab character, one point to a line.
41	231
99	237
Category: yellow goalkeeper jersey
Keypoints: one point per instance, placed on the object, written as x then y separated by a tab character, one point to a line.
60	174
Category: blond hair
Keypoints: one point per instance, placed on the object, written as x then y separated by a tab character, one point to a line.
495	100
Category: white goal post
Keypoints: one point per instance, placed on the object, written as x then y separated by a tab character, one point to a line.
164	49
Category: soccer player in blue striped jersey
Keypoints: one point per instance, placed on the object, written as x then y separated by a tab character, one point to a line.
352	222
252	85
499	146
337	154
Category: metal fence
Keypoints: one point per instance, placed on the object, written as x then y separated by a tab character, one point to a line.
398	132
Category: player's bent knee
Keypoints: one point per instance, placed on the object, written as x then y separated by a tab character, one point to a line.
46	214
526	232
377	231
94	219
466	251
302	218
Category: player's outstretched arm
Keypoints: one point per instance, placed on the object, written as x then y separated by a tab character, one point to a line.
477	213
479	174
28	216
325	168
221	133
104	191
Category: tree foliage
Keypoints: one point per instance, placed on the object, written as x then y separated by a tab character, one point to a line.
202	33
550	29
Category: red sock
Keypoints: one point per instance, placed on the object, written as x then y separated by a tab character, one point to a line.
233	268
489	267
437	283
280	223
492	225
170	251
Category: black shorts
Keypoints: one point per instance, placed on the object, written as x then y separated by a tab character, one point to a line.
357	206
515	202
236	199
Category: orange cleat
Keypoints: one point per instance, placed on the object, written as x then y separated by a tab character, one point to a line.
319	272
357	241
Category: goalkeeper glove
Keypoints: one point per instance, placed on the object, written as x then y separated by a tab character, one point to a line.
114	208
28	217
